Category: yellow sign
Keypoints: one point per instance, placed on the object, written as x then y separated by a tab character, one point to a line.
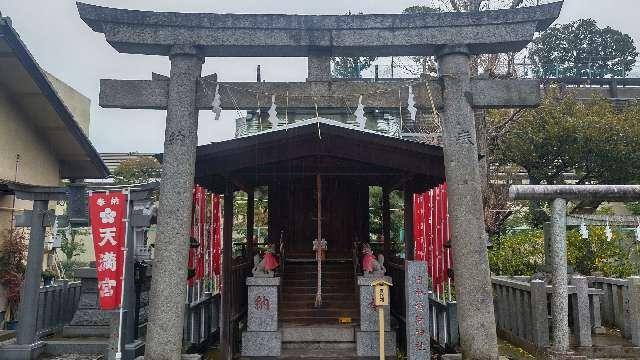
381	294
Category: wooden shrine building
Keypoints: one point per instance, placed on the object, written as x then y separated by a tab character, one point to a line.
290	162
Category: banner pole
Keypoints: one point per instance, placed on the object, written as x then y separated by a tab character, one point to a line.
124	274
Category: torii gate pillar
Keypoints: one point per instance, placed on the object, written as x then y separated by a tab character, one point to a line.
470	259
168	291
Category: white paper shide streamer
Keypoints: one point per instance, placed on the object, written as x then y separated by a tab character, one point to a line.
216	106
584	231
273	113
608	232
411	105
360	118
638	233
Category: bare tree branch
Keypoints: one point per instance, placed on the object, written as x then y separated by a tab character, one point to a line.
455	5
516	3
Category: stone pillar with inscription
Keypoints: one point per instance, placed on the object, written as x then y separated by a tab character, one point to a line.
367	336
417	310
470	256
262	338
169	278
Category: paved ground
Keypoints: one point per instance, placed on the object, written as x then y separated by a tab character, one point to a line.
71	357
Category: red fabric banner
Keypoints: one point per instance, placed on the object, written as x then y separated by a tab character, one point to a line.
431	234
215	234
106	214
419	227
200	199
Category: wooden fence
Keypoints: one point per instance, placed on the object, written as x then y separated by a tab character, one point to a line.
56	306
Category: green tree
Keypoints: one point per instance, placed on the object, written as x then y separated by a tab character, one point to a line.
522	253
71	248
420	9
583	49
351	68
138	170
590	139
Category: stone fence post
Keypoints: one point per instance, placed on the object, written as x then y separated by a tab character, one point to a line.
539	314
581	311
634	309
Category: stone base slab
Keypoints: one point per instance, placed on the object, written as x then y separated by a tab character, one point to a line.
184	357
22	352
261	343
367	343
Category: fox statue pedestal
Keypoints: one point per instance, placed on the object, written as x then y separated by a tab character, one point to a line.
367	335
262	338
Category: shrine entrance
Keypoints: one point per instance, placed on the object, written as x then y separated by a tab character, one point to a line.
293	208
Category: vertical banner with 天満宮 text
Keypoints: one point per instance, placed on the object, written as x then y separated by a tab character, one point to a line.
106	215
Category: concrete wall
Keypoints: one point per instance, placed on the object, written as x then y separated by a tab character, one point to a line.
78	104
38	164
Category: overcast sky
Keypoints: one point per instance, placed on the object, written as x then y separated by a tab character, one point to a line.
63	45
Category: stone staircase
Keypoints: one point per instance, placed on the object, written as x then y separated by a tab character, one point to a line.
314	333
299	284
318	342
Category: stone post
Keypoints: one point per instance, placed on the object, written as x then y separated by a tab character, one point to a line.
169	275
367	336
634	309
539	314
581	311
319	66
262	337
559	296
478	337
417	311
27	325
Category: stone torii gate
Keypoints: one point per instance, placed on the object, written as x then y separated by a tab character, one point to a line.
188	38
556	253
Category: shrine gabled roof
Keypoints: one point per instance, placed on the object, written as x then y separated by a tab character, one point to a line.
36	94
343	148
154	33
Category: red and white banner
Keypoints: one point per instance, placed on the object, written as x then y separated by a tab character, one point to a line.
215	240
106	215
431	234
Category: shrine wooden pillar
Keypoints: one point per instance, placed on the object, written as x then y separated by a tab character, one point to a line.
226	313
408	224
251	244
386	222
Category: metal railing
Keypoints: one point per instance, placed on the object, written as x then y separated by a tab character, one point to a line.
56	306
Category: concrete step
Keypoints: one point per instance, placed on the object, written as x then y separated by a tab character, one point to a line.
318	333
317	345
291	354
61	346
